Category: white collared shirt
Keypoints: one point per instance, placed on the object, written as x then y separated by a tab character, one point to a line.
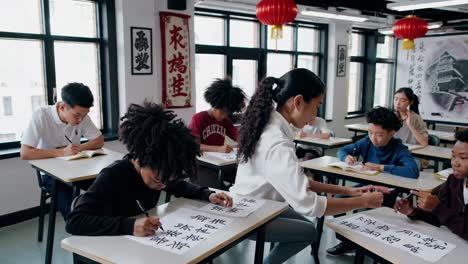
274	171
47	131
465	191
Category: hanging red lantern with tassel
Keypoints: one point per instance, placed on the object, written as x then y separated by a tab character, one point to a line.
408	29
276	13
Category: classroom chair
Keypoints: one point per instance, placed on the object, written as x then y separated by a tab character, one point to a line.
433	141
44	196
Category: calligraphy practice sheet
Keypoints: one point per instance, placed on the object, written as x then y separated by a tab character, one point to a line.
184	229
424	246
243	206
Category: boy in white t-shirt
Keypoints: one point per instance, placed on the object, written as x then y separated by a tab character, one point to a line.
56	131
317	129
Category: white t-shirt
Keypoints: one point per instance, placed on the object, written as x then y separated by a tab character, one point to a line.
318	127
47	131
465	191
274	173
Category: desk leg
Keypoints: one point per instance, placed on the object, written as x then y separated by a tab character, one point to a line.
259	246
221	179
359	257
51	228
78	259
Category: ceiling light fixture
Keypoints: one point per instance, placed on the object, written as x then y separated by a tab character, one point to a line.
423	4
334	15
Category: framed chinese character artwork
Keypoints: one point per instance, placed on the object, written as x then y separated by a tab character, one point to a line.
142	51
341	61
175	44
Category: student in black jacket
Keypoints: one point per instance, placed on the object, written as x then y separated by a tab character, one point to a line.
161	152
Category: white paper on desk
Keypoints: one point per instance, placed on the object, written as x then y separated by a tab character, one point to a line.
420	245
243	206
224	156
184	229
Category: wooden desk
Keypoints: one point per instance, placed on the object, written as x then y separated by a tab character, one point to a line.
323	143
388	254
118	249
69	172
218	164
433	153
425	182
445	137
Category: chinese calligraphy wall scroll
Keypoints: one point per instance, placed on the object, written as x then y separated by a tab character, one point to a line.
142	50
175	44
437	71
424	246
341	61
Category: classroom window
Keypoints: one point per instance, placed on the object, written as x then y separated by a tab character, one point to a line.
45	44
208	67
382	84
244	75
308	62
308	39
386	48
212	30
7	107
284	43
357	44
356	77
278	64
243	33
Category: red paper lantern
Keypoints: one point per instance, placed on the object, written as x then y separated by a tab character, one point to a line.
276	13
408	29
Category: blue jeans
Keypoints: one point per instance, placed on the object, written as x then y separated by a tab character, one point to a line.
291	232
64	193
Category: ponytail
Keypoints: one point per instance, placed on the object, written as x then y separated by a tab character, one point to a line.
295	82
413	98
256	117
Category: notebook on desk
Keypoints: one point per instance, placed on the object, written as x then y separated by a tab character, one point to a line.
358	167
443	174
224	156
84	154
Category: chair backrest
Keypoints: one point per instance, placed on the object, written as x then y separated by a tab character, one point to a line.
434	140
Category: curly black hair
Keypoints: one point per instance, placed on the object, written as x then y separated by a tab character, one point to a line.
157	140
384	117
462	136
295	82
221	94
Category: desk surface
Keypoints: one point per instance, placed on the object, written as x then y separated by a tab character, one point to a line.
322	142
216	161
76	170
358	127
118	249
395	255
434	152
425	182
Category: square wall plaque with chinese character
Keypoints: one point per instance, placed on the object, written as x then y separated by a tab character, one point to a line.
175	44
142	50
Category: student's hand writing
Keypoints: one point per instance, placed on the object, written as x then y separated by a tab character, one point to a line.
350	160
224	149
372	166
373	199
426	201
71	149
403	206
221	199
146	226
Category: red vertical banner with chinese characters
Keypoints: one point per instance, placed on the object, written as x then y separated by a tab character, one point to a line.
175	43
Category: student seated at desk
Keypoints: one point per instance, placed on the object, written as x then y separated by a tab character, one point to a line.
270	169
316	128
56	131
212	126
450	206
379	151
161	151
413	129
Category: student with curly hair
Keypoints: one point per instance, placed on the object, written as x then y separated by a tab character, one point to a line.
379	151
161	151
270	169
212	126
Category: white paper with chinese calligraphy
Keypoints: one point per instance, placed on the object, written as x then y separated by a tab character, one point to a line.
421	245
184	229
175	41
243	206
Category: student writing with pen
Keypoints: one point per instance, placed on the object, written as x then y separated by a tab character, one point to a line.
56	131
379	151
161	153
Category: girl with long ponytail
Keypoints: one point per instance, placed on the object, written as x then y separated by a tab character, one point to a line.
414	129
269	167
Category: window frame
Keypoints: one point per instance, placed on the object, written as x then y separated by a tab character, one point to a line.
261	52
107	60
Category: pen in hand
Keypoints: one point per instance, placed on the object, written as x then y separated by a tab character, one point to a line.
146	213
68	139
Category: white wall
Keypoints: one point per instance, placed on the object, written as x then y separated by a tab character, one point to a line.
18	186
